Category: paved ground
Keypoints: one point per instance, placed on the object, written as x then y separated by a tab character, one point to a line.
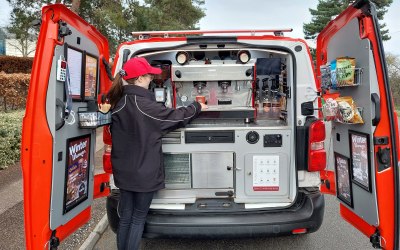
333	234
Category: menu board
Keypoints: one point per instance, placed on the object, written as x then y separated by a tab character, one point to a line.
90	77
74	59
359	148
77	172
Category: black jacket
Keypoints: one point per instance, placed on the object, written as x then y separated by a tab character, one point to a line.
138	123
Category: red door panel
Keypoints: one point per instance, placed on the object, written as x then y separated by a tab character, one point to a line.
379	125
37	149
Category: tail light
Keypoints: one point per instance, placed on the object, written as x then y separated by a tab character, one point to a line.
299	231
107	159
316	150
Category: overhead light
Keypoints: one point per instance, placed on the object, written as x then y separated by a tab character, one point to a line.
244	56
182	57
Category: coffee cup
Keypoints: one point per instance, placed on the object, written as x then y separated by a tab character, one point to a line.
201	99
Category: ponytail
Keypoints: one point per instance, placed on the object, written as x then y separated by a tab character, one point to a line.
116	90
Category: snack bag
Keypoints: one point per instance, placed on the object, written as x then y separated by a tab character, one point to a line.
348	112
329	109
333	74
345	67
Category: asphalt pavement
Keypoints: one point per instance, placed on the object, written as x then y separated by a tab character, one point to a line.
333	234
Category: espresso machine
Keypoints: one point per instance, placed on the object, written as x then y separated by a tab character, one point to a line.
226	87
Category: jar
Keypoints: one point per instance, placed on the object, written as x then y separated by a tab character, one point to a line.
275	108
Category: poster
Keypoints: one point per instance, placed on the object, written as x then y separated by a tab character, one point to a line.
266	173
344	189
359	148
74	59
90	76
77	171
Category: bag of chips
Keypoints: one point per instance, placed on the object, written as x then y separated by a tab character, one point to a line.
329	109
345	67
347	110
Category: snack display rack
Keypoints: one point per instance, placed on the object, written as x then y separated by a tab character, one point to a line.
336	79
93	119
342	109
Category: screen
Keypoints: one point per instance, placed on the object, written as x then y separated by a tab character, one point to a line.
74	59
90	77
63	64
77	172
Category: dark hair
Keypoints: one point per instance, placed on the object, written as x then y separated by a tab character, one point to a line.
116	90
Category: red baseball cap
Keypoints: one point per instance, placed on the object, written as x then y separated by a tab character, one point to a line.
138	66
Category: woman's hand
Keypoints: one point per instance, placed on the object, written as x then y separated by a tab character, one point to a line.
203	106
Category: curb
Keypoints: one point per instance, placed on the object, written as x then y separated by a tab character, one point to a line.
94	236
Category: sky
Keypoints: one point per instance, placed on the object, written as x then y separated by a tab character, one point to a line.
265	14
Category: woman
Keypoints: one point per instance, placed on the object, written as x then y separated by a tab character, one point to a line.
138	123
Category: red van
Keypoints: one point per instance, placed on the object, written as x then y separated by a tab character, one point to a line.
278	133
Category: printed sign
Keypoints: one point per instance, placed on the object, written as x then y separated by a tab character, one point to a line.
77	172
90	77
344	189
266	173
359	148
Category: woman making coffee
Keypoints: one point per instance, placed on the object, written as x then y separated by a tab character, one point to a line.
138	124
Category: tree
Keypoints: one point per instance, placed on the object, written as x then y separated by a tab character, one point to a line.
22	15
326	9
393	64
174	14
75	5
116	19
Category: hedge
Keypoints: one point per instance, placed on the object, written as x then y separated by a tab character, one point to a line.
13	91
14	64
10	137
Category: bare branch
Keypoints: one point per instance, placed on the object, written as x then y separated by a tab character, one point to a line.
15	46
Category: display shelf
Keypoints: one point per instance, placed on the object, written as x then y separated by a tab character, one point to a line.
93	119
345	77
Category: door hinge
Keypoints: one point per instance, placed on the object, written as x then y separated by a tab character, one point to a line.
54	241
375	239
63	30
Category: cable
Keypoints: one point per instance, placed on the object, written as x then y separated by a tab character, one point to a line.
72	114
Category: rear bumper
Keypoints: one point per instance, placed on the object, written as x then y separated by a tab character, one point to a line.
306	213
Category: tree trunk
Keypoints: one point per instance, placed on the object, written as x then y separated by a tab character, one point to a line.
75	6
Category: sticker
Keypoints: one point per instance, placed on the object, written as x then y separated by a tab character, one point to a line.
266	173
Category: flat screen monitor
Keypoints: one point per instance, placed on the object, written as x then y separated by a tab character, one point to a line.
74	59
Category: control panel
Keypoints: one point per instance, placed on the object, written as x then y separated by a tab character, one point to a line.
273	140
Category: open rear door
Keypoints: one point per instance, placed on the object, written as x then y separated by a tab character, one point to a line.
365	154
57	152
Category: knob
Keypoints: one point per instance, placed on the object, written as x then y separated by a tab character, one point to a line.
178	74
252	137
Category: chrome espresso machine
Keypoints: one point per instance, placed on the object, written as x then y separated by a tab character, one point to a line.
226	87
